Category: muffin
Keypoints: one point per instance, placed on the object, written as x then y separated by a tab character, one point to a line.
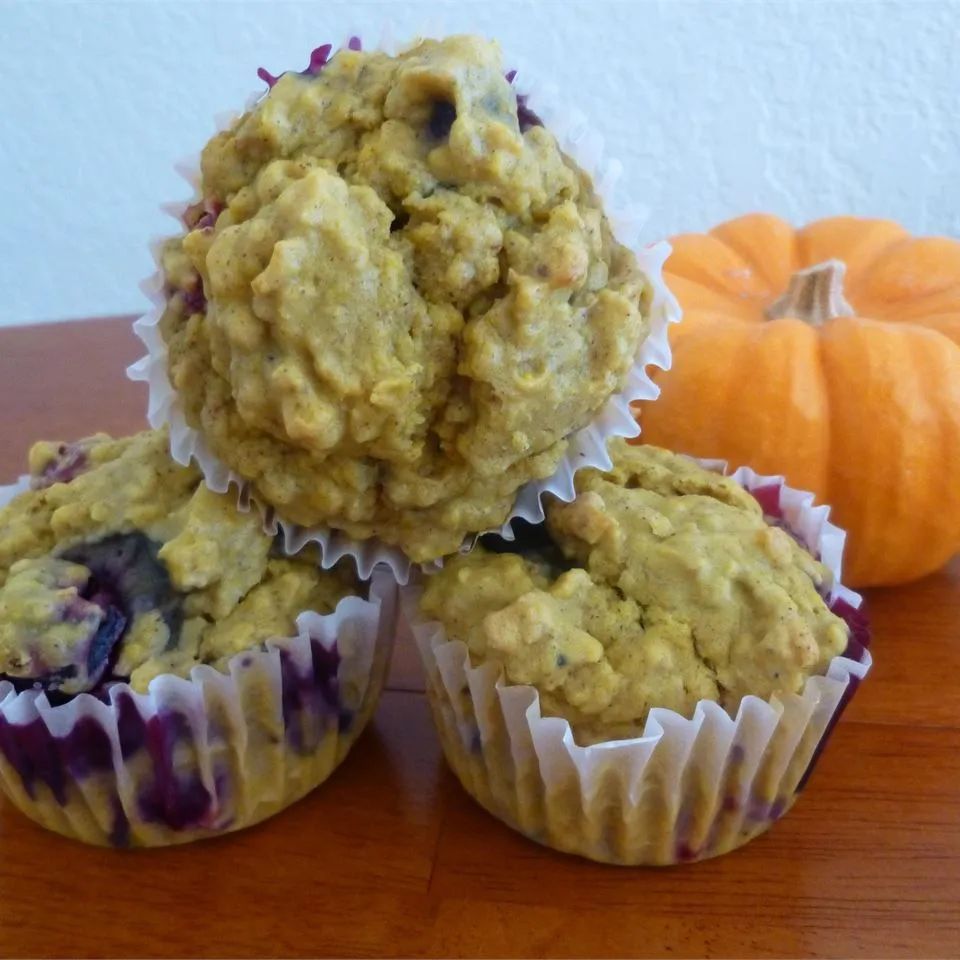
398	298
646	677
166	672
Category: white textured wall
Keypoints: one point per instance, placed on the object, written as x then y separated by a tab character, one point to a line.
715	108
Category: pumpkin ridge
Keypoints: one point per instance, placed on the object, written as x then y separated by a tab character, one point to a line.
857	269
915	272
731	235
694	295
940	323
699	281
687	264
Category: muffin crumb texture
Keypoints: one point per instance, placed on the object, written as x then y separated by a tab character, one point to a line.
677	590
397	301
120	565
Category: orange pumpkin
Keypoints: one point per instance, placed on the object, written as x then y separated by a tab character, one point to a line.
829	354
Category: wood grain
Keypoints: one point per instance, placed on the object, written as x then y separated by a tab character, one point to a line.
391	858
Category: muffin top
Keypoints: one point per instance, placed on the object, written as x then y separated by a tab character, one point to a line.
398	297
118	564
661	584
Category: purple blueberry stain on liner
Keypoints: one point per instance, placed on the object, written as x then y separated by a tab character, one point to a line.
858	624
168	798
30	750
526	118
847	695
131	727
768	496
176	800
86	749
857	646
309	696
120	831
684	853
319	58
757	809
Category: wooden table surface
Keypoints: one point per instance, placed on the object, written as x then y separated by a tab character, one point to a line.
391	857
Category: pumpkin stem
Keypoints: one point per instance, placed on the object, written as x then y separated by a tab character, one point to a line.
815	295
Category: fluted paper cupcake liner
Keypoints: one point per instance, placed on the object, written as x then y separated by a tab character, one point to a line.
201	756
687	789
587	448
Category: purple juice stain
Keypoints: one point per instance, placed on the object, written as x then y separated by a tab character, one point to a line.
319	58
40	757
202	214
131	727
858	623
31	750
857	645
768	496
167	797
526	118
71	460
310	699
267	77
684	853
757	809
120	831
173	799
194	299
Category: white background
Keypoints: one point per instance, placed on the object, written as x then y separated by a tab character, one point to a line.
715	107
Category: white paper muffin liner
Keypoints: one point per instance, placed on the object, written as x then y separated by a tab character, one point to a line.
587	448
685	790
199	757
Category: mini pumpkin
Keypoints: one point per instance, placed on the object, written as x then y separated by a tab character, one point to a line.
830	354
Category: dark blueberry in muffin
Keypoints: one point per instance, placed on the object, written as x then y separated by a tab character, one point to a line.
126	572
442	116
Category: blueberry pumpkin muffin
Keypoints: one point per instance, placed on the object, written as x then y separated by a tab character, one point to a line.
663	587
398	298
127	589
